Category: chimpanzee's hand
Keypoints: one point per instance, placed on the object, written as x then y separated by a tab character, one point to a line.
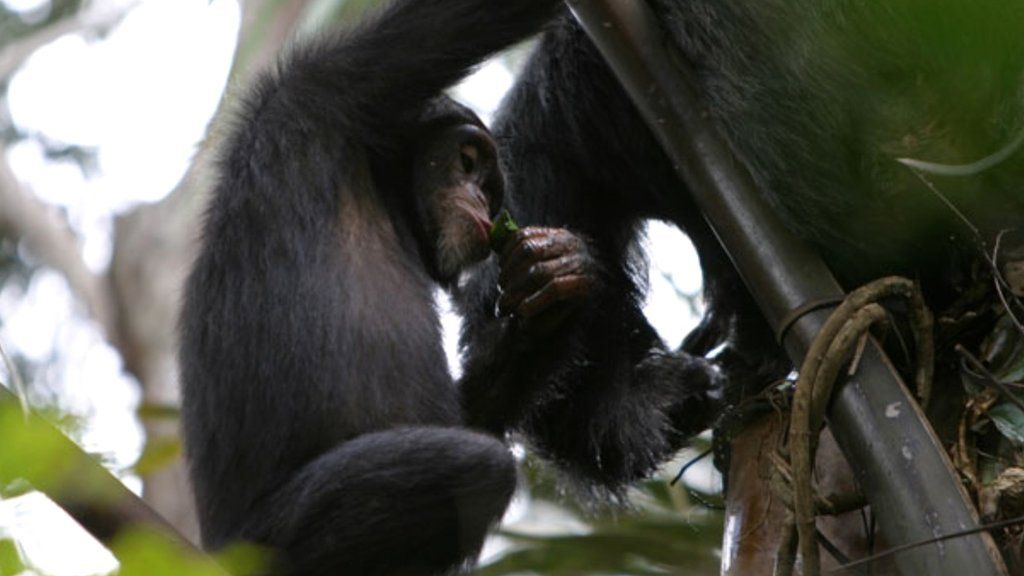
546	275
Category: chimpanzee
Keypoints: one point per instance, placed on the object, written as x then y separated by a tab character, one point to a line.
819	99
319	415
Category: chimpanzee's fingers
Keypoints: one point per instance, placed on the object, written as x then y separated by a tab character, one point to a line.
534	278
564	290
535	244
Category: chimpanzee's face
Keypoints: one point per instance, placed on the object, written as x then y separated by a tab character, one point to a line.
459	186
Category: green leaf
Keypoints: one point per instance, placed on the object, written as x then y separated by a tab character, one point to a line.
502	230
11	561
1013	370
1004	351
636	545
1009	420
158	454
31	449
144	552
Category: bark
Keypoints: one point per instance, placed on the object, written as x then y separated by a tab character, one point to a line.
755	514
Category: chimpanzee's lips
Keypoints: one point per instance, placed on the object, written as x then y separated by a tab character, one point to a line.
483	226
478	214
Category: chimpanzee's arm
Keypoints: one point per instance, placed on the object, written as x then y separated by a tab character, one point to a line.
602	396
374	79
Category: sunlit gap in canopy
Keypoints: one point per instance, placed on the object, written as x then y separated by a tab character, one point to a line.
139	98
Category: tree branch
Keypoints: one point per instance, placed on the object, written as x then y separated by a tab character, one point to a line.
97	16
48	236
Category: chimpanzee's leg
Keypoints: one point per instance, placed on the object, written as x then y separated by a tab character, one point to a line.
401	502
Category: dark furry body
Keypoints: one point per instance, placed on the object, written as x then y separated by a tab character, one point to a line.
817	98
319	415
820	98
299	407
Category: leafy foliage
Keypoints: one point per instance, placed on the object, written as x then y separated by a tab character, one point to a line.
146	553
1009	420
637	544
662	532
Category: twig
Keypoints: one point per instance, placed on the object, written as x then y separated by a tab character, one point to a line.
991	259
966	169
785	559
977	365
949	204
689	464
704	502
906	547
1000	282
818	377
832	549
834	342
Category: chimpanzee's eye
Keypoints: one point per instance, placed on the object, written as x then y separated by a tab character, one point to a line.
469	157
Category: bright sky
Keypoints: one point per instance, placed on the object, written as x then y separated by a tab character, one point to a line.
141	97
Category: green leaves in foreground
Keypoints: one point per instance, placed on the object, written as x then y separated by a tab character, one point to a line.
31	448
637	545
11	561
663	532
147	553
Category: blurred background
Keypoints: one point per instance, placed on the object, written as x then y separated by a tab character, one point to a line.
105	107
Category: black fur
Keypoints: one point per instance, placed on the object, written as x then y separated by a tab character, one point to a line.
579	157
817	98
319	415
